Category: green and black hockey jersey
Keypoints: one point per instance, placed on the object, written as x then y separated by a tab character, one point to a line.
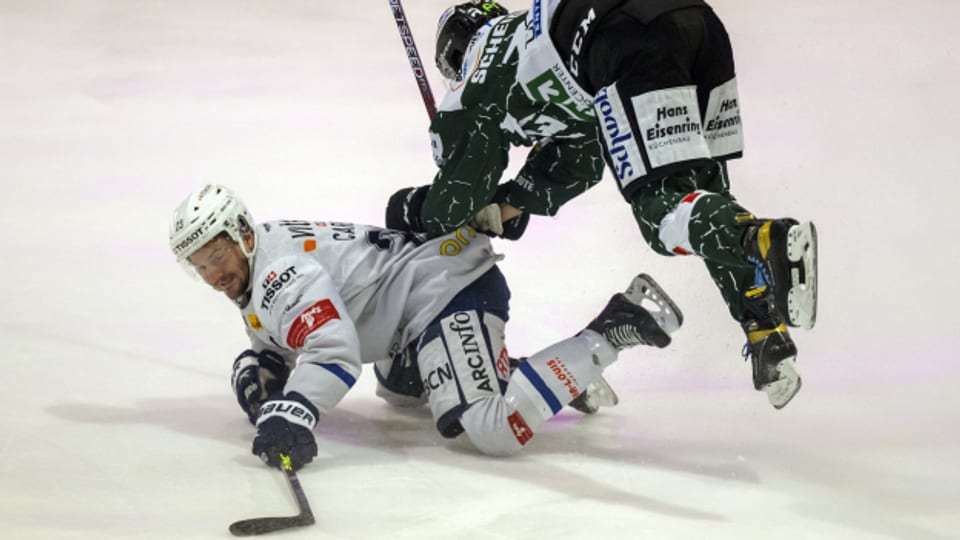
514	91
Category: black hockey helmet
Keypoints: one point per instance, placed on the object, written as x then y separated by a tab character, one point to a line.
457	26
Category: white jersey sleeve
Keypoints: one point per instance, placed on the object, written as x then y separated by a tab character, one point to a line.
257	344
306	314
330	296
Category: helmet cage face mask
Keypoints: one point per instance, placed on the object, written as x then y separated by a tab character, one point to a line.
202	217
456	28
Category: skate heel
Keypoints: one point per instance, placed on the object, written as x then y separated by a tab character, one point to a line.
771	351
646	293
781	391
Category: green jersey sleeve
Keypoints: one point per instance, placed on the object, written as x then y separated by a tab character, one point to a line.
487	113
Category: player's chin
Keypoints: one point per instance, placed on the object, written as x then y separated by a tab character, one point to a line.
233	289
234	292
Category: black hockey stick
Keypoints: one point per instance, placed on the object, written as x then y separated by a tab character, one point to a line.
414	57
264	525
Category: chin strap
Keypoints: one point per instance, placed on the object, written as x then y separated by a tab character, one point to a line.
244	298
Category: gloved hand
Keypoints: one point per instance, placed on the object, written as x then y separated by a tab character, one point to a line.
403	210
488	220
285	426
256	376
511	229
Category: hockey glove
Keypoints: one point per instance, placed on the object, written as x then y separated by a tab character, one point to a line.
256	376
285	426
513	228
403	210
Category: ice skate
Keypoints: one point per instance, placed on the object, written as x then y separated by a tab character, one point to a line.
786	254
770	349
643	315
598	394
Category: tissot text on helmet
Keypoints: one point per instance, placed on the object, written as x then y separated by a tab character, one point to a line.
203	216
188	241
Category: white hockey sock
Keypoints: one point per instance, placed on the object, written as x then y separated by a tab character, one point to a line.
555	376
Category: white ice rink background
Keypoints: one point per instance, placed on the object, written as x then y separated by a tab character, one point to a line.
117	417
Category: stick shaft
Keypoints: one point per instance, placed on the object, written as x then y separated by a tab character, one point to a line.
302	504
413	56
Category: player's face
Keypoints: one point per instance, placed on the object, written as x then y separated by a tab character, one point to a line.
223	266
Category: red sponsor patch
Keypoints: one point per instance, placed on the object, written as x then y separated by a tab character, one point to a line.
503	364
520	429
312	318
680	251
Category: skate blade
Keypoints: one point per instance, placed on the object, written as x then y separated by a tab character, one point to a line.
646	293
802	296
597	394
602	393
781	391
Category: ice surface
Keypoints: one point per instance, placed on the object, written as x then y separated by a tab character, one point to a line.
118	421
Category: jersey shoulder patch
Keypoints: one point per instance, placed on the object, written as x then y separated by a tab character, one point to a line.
310	319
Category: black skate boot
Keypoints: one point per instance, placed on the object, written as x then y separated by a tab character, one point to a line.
785	253
770	349
625	322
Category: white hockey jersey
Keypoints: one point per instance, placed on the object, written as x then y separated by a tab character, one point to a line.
331	296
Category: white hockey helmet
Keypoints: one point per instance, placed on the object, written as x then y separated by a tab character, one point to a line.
203	216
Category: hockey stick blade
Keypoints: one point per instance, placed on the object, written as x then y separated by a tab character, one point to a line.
264	525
